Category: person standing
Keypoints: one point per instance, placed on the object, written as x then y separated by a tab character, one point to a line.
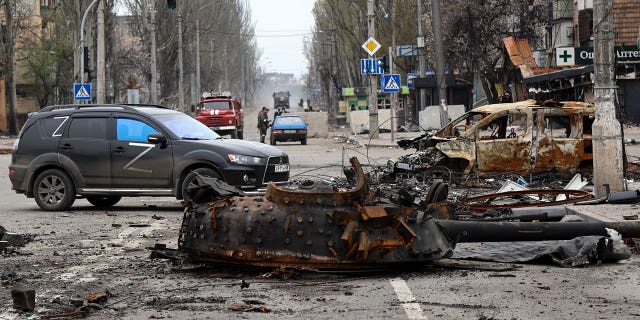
263	123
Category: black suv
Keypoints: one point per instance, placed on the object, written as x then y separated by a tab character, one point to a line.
105	152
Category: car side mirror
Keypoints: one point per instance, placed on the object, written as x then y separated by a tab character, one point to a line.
157	138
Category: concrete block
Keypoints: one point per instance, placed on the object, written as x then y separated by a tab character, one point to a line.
24	299
317	123
359	119
430	117
87	244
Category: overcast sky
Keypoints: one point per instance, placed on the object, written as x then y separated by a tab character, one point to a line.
281	26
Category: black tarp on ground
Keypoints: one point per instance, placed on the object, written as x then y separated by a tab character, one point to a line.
569	253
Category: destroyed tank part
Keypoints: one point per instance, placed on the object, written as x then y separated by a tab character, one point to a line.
525	198
205	189
311	230
478	231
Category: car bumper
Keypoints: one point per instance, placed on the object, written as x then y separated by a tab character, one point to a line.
289	136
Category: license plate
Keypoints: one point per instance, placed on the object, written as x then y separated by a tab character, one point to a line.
290	131
282	168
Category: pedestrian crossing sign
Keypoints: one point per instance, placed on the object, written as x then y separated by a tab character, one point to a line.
82	91
390	83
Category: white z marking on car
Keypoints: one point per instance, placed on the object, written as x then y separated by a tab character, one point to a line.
129	164
55	132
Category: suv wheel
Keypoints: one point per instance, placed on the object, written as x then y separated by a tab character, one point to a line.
53	190
191	181
103	201
240	134
234	134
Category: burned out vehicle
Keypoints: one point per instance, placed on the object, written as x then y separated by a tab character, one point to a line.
526	137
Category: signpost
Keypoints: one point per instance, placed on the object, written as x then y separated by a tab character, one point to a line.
371	46
406	51
82	91
371	66
410	77
391	83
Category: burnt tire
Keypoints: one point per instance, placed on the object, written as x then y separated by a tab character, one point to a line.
53	190
103	201
192	181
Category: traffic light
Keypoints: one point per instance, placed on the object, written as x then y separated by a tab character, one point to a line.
171	4
385	63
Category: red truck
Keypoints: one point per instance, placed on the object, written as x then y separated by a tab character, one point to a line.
222	113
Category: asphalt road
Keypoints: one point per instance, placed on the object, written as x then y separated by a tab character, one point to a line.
87	251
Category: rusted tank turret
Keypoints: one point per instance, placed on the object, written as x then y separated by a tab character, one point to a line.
312	228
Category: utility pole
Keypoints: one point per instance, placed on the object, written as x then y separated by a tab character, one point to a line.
608	175
373	85
437	37
180	66
394	95
12	110
154	66
198	91
100	53
420	45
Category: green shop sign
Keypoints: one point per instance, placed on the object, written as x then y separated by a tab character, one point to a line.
584	55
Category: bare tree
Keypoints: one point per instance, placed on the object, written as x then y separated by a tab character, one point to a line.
473	33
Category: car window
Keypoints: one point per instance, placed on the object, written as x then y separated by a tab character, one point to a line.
215	105
557	126
54	126
505	127
185	127
289	120
88	128
132	130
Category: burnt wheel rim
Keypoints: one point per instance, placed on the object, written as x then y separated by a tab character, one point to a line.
51	190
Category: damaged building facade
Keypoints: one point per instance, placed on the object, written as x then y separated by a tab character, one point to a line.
564	70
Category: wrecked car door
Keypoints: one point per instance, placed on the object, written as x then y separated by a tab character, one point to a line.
561	142
503	142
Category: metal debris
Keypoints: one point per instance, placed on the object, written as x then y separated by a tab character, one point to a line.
311	229
526	137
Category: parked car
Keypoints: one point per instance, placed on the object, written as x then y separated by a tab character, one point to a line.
105	152
521	137
288	127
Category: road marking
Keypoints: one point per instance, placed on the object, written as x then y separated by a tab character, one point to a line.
411	308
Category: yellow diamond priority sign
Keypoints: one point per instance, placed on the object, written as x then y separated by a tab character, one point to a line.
371	46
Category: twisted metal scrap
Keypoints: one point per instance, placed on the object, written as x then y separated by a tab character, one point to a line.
526	198
311	229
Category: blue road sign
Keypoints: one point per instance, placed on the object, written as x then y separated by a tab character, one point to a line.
406	51
371	66
410	77
391	83
82	91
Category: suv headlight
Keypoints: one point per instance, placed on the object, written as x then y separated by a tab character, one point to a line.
242	159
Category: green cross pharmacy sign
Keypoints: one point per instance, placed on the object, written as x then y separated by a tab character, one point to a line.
569	56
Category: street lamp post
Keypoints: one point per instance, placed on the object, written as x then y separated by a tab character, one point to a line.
84	18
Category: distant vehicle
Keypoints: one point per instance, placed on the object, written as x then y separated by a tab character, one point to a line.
105	152
521	137
221	113
288	127
281	99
